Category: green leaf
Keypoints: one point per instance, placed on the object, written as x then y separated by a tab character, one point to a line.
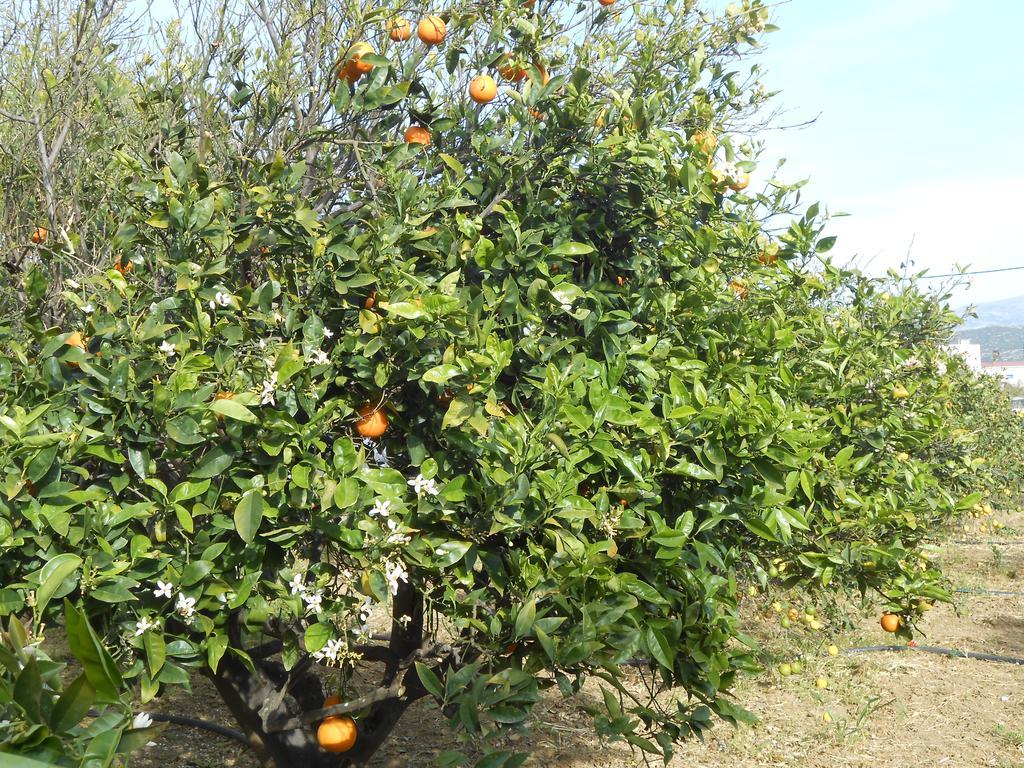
249	515
156	651
525	619
441	374
316	636
233	410
28	688
216	646
571	249
52	576
403	309
212	464
97	664
73	705
461	408
430	680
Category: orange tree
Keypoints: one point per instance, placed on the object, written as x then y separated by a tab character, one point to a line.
465	420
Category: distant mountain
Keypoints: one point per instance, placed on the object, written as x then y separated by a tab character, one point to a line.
1006	312
1005	340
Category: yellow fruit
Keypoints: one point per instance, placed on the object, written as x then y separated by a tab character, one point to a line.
826	717
833	650
821	682
815	625
739	182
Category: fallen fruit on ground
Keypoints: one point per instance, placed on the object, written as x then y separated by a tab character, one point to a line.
821	682
833	650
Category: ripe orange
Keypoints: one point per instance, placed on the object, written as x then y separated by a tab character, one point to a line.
399	29
124	269
705	142
372	422
508	69
331	700
348	72
75	340
483	89
768	256
224	396
355	55
337	734
739	288
545	78
354	66
40	235
372	298
890	622
431	30
416	134
607	2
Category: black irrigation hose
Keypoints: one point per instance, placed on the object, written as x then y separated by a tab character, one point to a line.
191	722
966	591
948	652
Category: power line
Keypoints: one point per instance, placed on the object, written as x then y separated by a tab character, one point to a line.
975	272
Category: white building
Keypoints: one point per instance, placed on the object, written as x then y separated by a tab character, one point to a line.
1010	371
969	351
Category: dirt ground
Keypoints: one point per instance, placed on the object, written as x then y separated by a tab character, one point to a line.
912	708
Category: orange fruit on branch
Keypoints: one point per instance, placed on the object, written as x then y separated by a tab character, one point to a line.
607	2
740	181
399	29
372	423
431	30
483	89
40	235
337	734
331	700
415	134
704	141
545	78
509	70
890	622
75	340
125	268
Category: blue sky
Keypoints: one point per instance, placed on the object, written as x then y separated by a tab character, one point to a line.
921	107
